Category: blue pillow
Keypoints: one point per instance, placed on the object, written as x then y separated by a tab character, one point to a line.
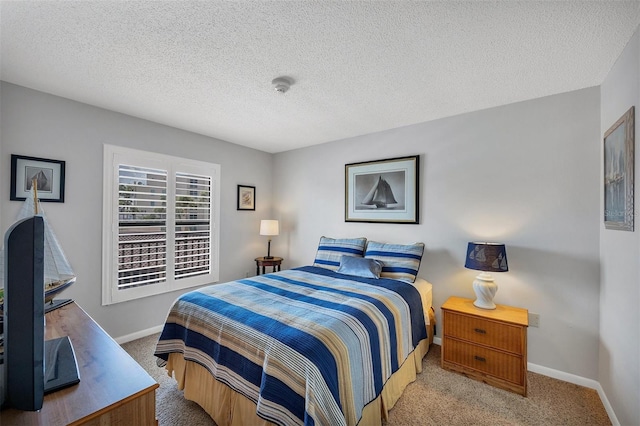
331	250
360	267
400	261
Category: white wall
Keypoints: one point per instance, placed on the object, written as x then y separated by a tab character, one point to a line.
524	174
619	366
41	125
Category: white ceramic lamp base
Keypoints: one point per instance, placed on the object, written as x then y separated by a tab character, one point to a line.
485	289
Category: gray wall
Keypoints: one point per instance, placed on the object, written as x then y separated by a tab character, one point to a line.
41	125
619	366
524	174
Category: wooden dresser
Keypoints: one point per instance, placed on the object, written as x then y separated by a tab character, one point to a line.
486	345
113	390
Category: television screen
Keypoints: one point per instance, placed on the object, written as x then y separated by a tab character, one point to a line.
31	366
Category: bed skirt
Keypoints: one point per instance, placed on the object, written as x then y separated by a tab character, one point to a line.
230	408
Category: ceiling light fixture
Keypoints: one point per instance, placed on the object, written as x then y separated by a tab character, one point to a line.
282	84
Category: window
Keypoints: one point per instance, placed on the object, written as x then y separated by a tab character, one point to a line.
161	222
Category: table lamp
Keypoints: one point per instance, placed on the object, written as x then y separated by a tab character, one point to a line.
269	227
486	257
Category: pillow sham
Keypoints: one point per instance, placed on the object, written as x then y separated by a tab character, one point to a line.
331	250
360	267
399	261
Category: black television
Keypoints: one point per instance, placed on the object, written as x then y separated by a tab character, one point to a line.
32	366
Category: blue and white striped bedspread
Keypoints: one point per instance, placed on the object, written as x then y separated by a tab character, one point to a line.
308	345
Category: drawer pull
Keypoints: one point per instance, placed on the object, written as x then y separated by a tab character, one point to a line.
479	330
479	358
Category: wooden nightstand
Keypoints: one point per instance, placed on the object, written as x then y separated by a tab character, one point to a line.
274	262
486	345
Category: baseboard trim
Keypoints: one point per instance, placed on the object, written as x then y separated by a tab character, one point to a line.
561	375
568	377
580	381
607	406
138	334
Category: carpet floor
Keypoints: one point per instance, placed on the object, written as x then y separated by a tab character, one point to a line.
437	397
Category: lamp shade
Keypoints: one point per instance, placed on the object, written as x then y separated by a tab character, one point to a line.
489	257
269	227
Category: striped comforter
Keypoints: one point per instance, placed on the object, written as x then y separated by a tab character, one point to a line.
308	345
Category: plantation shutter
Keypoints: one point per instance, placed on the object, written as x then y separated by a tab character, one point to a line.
142	226
161	216
192	225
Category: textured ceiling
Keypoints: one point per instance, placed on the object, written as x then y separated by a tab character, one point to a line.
359	67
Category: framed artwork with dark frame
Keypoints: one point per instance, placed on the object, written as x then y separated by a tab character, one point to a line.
383	191
48	174
618	173
246	197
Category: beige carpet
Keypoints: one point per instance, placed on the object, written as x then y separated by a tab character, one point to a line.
437	397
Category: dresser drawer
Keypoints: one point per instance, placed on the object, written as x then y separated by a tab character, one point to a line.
498	335
494	363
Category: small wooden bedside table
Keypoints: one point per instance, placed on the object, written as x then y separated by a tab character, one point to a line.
274	262
489	345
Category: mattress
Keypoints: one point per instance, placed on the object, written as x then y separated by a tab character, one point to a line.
425	289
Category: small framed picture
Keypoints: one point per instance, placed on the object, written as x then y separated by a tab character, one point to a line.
48	176
246	197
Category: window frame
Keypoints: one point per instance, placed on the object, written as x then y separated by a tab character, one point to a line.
113	157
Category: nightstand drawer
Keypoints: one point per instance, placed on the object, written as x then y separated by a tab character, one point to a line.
498	335
494	363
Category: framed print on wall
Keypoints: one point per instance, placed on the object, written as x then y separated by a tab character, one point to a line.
383	191
49	176
618	173
246	197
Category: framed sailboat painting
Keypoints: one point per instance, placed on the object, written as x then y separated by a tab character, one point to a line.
48	176
384	191
618	173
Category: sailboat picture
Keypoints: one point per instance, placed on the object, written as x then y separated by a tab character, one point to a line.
618	174
48	175
380	194
382	191
42	177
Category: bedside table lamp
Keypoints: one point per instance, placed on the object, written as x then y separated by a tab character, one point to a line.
486	257
269	227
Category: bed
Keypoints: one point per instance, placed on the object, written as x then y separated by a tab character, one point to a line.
318	344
